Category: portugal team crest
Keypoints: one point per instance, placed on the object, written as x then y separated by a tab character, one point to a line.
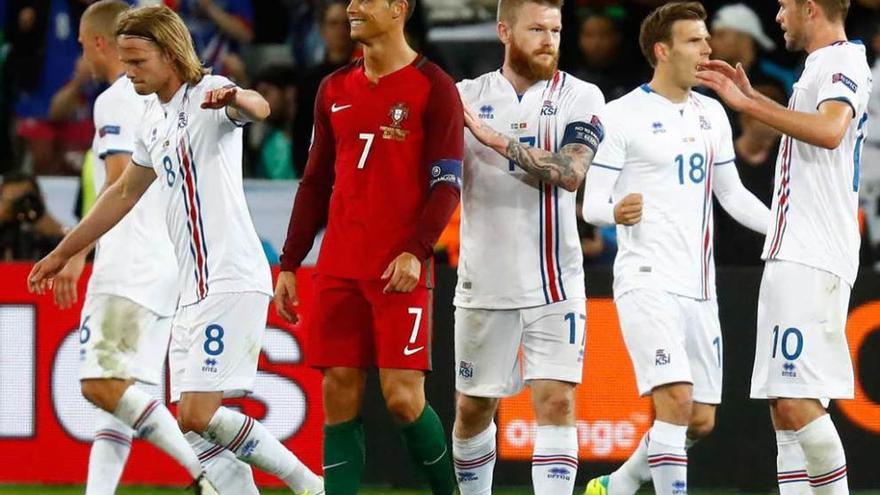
398	113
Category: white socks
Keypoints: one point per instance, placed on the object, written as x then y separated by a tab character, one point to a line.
633	473
223	469
555	460
474	460
154	423
791	465
826	462
251	442
110	448
667	458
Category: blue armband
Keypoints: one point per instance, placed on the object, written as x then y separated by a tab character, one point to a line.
448	171
589	134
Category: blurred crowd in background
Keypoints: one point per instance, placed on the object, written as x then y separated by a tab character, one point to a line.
283	48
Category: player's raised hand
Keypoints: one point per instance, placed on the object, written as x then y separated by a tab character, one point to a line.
737	74
725	87
402	273
43	273
64	286
628	211
219	97
484	134
285	297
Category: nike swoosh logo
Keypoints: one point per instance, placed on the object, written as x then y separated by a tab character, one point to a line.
335	465
409	352
334	108
435	461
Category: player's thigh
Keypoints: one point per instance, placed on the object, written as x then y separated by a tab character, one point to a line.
340	325
153	349
653	330
704	345
802	350
402	326
487	352
216	343
111	331
553	341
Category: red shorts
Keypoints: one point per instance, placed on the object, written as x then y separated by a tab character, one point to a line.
355	325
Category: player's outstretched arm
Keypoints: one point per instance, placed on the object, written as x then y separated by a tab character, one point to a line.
241	104
110	208
825	128
565	168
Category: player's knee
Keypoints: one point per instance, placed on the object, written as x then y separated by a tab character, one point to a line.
701	427
555	408
403	405
475	410
99	393
192	420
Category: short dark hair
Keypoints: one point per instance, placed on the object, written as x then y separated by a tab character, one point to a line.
507	9
835	10
657	27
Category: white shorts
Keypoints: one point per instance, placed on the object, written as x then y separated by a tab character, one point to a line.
673	339
121	339
488	344
216	342
801	350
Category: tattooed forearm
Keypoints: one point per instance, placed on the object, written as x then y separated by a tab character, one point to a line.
565	168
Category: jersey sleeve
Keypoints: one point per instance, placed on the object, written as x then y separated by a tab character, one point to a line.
611	153
312	204
585	121
841	79
116	121
221	116
140	153
443	123
725	154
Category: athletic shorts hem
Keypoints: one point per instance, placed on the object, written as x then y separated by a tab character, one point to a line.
803	392
488	392
231	389
557	373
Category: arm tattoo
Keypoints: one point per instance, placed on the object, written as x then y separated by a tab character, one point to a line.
565	168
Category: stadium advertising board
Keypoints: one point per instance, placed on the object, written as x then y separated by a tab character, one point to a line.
46	426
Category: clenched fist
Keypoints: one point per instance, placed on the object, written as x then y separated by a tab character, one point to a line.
628	211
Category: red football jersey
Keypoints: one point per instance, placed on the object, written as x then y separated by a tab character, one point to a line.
383	141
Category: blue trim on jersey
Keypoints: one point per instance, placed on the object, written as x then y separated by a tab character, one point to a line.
192	162
646	88
857	152
609	167
725	162
562	84
115	152
541	240
843	99
558	265
519	97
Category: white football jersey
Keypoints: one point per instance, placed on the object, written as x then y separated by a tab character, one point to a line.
135	259
196	154
667	152
815	200
519	240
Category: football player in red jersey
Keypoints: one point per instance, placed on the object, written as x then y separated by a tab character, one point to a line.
383	175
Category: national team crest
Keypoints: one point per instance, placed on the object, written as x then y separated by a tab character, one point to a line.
398	113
